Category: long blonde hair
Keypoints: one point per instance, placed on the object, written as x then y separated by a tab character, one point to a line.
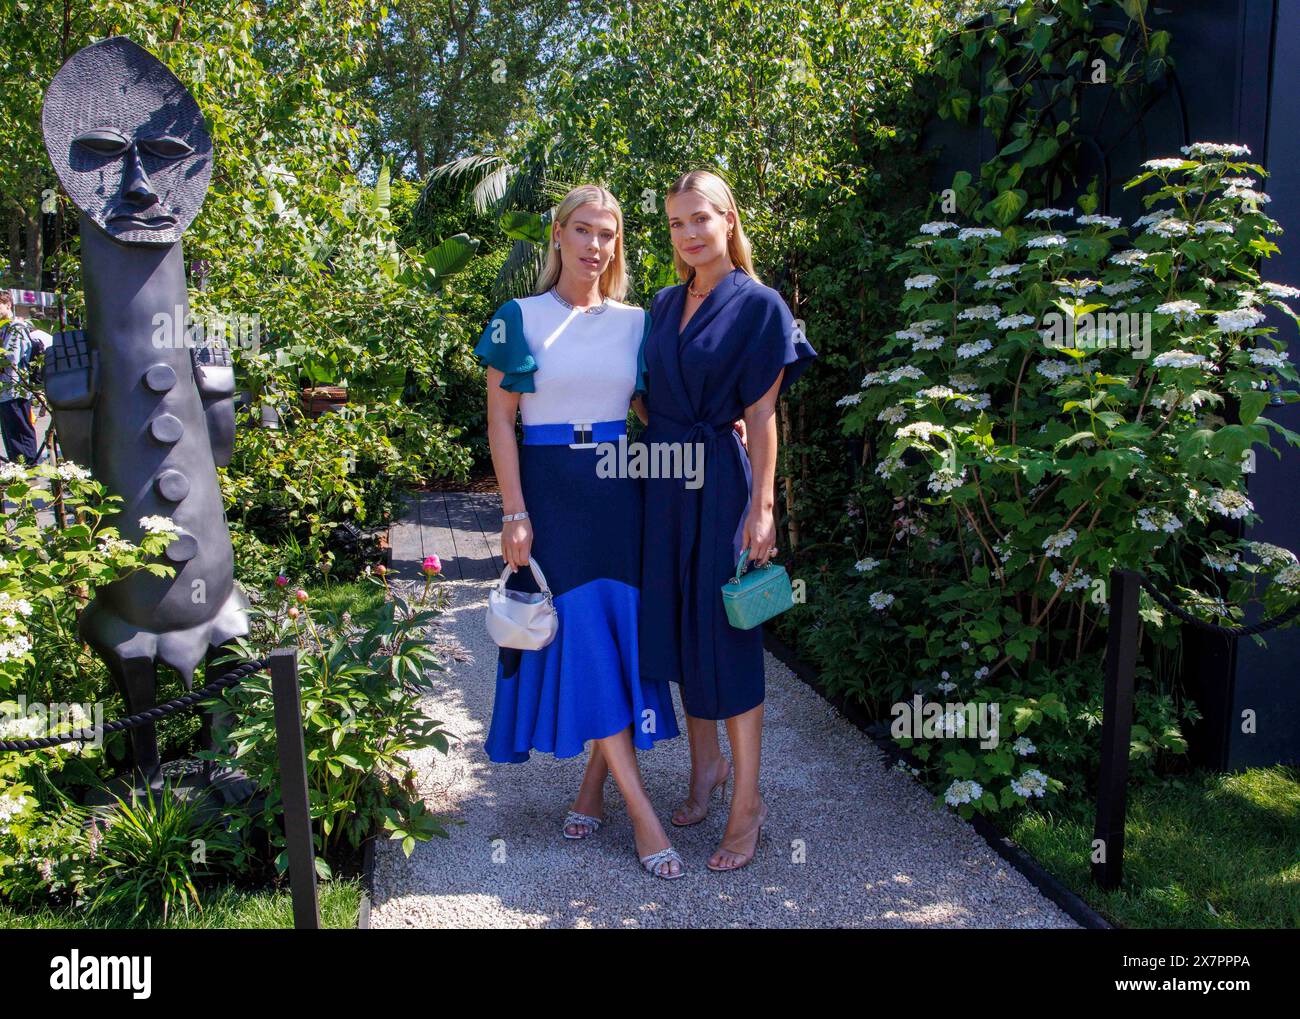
715	191
613	281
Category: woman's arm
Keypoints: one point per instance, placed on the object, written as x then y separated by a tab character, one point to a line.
638	405
503	405
760	428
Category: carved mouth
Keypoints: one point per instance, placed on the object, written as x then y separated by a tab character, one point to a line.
144	223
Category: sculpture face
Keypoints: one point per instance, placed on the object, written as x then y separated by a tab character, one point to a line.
128	142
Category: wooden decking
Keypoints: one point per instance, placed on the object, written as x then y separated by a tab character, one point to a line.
463	529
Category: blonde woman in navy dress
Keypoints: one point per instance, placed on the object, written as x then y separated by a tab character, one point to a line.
722	347
567	359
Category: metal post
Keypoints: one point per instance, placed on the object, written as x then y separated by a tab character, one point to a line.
293	788
1116	729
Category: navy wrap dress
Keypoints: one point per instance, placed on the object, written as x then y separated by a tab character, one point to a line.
697	384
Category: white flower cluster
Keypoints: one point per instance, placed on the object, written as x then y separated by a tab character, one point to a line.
1213	226
14	647
1266	357
1214	150
10	807
1032	783
1078	580
1179	359
1182	311
1221	562
979	312
963	791
1121	287
1077	288
866	565
918	429
892	415
158	525
849	400
1229	503
880	600
922	282
1109	222
973	349
962	382
1001	271
1024	746
1238	320
1170	226
1164	163
1048	213
1128	259
935	393
1015	321
1057	543
936	227
980	401
1047	241
1272	555
1279	291
944	480
977	233
1152	519
928	343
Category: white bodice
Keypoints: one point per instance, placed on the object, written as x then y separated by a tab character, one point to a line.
586	363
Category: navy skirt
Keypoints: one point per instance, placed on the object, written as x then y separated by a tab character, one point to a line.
586	684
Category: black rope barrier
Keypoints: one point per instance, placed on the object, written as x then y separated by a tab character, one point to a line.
1251	630
232	678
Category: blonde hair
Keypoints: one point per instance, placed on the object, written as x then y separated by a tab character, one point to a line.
715	191
613	281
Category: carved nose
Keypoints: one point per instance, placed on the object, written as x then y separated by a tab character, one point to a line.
136	186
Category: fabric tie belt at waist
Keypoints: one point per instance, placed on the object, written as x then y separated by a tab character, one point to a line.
701	599
579	434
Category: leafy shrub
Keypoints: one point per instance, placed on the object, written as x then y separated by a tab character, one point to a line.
1023	472
361	679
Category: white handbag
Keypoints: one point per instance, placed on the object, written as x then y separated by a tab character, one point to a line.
522	619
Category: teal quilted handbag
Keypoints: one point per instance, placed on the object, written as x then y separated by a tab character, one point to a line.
756	597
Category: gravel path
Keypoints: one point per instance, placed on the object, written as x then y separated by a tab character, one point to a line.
849	841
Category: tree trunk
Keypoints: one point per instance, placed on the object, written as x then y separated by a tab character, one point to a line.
34	252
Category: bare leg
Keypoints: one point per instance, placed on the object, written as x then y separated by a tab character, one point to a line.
649	833
708	767
591	794
747	807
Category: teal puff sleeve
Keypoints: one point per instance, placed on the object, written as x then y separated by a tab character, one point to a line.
503	347
640	389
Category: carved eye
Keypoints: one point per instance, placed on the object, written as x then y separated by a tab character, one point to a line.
168	146
103	141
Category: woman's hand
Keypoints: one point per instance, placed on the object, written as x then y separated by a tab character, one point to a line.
759	536
739	426
516	542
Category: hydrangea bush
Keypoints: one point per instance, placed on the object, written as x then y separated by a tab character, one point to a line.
1070	396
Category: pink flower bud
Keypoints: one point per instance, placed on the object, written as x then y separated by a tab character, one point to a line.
380	569
300	594
432	564
293	612
281	581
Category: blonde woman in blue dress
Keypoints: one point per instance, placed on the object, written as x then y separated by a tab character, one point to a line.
567	359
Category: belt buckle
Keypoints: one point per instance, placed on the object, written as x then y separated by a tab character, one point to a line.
582	435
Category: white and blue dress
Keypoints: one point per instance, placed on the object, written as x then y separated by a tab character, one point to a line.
576	372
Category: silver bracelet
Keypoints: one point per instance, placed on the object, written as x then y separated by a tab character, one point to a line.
514	516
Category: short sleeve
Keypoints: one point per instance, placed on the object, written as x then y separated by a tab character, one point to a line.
776	343
640	359
503	347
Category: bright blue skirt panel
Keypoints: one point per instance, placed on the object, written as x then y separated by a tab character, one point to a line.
586	684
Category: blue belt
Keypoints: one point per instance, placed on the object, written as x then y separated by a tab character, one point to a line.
579	433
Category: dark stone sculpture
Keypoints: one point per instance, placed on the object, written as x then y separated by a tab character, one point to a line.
151	422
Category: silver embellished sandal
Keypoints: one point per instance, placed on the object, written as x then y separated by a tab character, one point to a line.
654	861
589	825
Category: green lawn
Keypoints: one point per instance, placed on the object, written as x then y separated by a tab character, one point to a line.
223	907
1201	851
